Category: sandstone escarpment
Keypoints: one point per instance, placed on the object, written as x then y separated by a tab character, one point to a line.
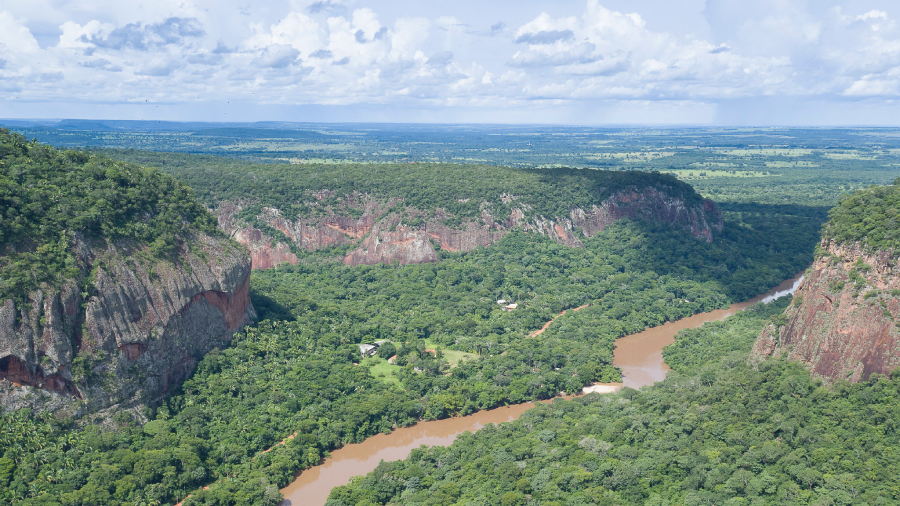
843	323
386	232
130	332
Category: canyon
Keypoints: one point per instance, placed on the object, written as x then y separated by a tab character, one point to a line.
385	231
843	322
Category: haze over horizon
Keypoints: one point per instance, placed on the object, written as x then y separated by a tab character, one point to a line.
595	62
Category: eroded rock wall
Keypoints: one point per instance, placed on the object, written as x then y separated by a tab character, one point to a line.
134	333
379	234
843	323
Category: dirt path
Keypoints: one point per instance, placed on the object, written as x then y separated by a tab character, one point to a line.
547	325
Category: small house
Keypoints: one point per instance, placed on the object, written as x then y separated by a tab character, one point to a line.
367	350
510	307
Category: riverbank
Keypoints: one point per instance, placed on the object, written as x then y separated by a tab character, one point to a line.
639	355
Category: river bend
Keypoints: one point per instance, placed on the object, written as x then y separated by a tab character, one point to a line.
638	355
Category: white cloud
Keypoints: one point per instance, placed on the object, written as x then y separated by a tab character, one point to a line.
361	52
872	87
14	36
76	36
296	30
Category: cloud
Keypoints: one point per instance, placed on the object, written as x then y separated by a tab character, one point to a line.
325	6
276	56
211	58
50	77
158	69
221	48
581	53
14	36
440	59
331	52
872	87
544	37
295	29
101	64
873	14
76	36
142	37
608	66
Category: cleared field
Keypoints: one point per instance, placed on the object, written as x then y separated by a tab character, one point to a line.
769	152
381	369
452	356
849	156
630	156
786	164
710	174
714	164
281	146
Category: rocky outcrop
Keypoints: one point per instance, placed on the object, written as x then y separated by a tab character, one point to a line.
265	252
654	205
129	333
381	233
843	323
402	245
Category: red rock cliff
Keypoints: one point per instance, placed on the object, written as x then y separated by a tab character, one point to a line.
137	331
844	320
379	233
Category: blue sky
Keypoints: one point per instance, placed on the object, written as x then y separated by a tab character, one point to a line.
707	62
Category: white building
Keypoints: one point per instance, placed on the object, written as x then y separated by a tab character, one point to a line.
367	350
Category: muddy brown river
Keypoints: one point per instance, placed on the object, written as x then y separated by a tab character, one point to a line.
638	355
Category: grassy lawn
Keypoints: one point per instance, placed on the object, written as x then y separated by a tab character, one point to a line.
388	373
451	356
382	370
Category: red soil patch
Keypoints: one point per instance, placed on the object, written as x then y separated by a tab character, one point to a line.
547	325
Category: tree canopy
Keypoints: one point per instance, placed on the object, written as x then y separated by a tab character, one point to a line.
50	197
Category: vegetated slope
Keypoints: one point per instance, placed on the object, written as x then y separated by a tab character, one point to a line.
716	431
844	325
400	212
287	377
113	280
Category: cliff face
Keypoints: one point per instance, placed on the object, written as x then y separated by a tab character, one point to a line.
134	333
843	323
381	234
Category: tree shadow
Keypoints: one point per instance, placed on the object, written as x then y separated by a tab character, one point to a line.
268	308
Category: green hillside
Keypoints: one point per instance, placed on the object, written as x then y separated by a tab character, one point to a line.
50	198
295	371
458	189
870	217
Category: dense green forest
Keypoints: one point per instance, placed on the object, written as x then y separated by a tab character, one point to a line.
298	374
460	190
296	371
869	217
49	197
718	430
635	274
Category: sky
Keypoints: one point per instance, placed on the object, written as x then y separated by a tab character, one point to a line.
594	62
